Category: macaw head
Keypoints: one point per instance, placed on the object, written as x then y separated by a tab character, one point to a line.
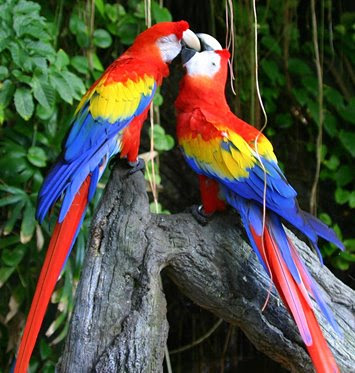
210	64
163	41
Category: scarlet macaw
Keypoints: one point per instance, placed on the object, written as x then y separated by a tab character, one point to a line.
107	121
232	159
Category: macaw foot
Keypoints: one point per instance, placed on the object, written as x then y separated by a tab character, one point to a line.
200	216
138	165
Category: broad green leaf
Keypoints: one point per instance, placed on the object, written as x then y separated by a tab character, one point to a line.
96	63
348	112
342	196
7	89
9	200
27	7
80	64
271	44
5	273
17	54
158	99
14	216
8	241
352	200
76	84
62	87
24	102
114	12
298	66
348	140
62	59
44	349
127	31
43	92
37	156
100	6
332	163
12	257
4	72
333	97
344	175
325	218
102	38
330	124
21	77
160	14
43	49
28	223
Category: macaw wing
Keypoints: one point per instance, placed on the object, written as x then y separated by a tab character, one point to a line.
107	108
214	150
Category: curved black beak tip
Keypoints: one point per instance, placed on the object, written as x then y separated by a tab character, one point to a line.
186	54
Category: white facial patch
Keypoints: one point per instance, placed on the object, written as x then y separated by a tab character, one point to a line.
205	63
169	47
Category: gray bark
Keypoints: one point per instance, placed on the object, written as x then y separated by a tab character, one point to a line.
119	322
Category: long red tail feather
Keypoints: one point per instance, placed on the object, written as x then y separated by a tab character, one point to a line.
59	246
293	296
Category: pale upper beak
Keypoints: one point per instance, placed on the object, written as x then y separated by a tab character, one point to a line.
205	42
190	40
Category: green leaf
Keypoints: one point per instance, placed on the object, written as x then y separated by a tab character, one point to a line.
348	140
271	44
76	83
330	124
4	72
102	38
162	142
333	97
158	99
100	6
9	200
114	11
44	349
332	163
21	77
37	156
5	273
17	54
43	92
24	102
348	112
14	216
325	218
298	66
28	223
27	7
344	175
80	64
62	87
12	257
342	196
352	200
160	14
62	59
96	63
7	89
43	49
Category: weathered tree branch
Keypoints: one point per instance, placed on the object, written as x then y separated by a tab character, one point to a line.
119	322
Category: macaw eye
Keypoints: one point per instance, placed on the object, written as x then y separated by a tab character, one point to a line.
213	64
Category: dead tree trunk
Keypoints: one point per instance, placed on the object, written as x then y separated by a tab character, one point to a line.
119	322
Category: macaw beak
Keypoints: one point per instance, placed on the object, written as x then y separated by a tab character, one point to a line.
206	43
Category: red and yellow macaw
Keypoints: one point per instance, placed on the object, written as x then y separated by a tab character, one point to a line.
234	161
108	121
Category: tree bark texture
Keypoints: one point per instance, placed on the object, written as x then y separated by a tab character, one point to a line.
119	321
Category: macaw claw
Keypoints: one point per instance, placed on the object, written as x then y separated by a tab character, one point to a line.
200	216
138	165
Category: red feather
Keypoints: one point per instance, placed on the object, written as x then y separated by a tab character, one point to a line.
57	252
293	296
